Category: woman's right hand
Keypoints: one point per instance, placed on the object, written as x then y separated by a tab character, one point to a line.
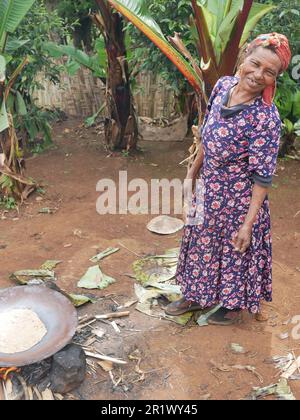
188	189
2	160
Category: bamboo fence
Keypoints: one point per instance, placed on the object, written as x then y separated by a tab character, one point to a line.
82	95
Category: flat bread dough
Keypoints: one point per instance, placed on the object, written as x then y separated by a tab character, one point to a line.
20	330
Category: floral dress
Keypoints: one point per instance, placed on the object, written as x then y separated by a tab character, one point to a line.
240	148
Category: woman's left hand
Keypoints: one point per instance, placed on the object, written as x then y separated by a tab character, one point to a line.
242	240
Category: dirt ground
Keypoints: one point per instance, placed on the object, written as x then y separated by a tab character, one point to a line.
177	360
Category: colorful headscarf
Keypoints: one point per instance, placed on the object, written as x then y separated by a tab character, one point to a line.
281	48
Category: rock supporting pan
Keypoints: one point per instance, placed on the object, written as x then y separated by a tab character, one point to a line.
54	310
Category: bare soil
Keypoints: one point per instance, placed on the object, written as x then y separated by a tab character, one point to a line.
177	360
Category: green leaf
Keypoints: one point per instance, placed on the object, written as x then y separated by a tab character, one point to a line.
101	51
31	128
225	28
2	68
285	95
91	120
95	279
13	45
297	128
47	133
4	123
54	50
10	102
296	105
288	125
104	254
257	12
11	14
96	63
21	106
72	67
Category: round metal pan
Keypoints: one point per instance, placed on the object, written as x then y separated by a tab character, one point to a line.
54	310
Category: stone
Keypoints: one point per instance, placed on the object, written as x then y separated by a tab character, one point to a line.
68	369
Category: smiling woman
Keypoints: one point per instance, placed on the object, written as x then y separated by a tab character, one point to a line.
258	71
226	251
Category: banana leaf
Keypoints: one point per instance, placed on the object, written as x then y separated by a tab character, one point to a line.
226	27
49	264
21	106
247	17
257	12
148	302
201	34
297	128
11	14
4	123
96	63
72	67
13	45
95	279
24	276
103	254
136	11
2	68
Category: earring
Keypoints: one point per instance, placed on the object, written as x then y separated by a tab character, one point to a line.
238	73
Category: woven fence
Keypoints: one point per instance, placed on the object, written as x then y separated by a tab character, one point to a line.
82	95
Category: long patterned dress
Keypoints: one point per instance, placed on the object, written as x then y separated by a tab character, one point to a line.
240	148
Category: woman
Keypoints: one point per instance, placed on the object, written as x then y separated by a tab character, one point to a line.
226	253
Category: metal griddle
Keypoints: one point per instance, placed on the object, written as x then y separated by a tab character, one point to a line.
55	311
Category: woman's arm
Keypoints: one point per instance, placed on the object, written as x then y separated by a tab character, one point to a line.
243	238
195	168
2	159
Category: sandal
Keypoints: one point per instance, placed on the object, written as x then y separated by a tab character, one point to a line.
182	306
225	316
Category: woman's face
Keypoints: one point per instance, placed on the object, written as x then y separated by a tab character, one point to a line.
259	70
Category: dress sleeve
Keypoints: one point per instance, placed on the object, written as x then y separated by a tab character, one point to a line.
263	149
212	97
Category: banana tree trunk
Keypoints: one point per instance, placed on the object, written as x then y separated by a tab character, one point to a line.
12	180
121	128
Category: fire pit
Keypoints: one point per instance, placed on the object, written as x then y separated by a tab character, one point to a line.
55	311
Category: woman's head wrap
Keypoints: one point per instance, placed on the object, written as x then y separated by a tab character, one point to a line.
280	45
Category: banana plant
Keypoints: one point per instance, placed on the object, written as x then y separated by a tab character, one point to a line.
76	58
220	29
12	180
97	64
121	128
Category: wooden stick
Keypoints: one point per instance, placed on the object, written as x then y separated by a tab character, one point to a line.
130	250
102	357
113	315
115	327
295	358
80	327
2	393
